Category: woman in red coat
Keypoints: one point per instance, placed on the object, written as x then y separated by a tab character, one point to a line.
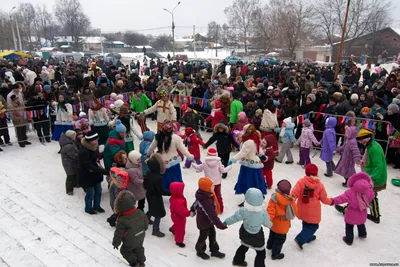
179	212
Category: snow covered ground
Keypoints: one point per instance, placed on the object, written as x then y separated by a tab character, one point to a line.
42	226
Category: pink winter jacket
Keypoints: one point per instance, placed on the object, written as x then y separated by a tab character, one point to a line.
213	168
307	137
358	197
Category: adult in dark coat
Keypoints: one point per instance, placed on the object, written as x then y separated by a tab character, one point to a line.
91	173
153	183
70	159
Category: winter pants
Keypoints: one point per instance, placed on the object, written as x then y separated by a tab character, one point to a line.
188	163
178	113
285	150
156	224
6	137
42	130
362	232
267	174
330	167
93	197
113	191
224	159
141	204
275	242
21	134
142	124
304	155
375	207
307	232
71	182
217	191
133	255
179	230
201	241
241	254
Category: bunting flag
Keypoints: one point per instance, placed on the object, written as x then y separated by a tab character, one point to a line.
25	116
74	108
306	116
396	134
379	126
358	123
343	119
10	115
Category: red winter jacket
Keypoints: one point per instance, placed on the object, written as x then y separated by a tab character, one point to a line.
194	145
178	204
218	116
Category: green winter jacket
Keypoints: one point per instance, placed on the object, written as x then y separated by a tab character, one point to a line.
142	104
236	107
113	145
375	165
131	223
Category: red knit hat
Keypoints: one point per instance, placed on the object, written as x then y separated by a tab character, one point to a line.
189	130
212	152
217	104
311	170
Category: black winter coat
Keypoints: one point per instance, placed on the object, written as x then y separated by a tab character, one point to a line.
224	142
205	209
90	173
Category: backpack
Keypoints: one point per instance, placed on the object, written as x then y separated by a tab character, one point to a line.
119	177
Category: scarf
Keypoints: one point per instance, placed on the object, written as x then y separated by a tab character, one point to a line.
188	141
283	131
216	203
98	105
363	203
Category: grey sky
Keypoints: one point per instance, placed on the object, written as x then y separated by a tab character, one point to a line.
121	15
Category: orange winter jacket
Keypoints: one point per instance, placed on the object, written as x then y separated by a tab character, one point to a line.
309	202
277	212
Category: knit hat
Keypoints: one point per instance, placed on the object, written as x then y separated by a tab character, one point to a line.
119	127
311	170
312	97
354	97
205	184
189	130
396	101
217	104
179	83
284	186
364	133
46	87
134	157
241	115
91	135
212	152
167	127
70	134
270	87
163	93
306	123
119	103
366	109
393	108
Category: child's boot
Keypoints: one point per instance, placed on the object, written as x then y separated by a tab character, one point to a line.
243	264
218	254
203	255
278	257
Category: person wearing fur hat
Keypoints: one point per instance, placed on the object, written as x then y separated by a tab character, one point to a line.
134	169
144	146
281	209
139	103
206	207
179	212
193	143
306	139
213	168
91	173
309	192
286	134
98	119
153	183
168	144
131	228
225	141
358	197
70	160
192	119
328	144
251	233
165	110
114	144
249	157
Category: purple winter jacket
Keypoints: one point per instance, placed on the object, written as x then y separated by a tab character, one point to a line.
205	210
328	141
136	180
350	154
360	188
307	137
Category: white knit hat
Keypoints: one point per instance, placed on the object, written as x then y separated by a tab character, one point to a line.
134	157
354	96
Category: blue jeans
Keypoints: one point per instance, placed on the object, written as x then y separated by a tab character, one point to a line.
156	224
93	197
306	234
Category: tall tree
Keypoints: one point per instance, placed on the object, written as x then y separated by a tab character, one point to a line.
162	43
134	38
262	27
74	21
26	15
240	16
213	31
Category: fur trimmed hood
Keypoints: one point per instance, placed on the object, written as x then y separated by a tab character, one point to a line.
221	125
86	144
156	164
125	201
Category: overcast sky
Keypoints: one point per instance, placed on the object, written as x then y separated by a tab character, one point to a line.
121	15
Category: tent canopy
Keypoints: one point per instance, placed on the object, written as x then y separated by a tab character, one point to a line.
12	54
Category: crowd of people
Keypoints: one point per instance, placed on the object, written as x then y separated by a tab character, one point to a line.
260	110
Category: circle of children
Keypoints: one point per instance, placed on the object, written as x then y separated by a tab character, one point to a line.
249	111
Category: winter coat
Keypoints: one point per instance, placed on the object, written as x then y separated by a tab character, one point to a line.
178	204
360	189
350	155
178	95
253	214
288	136
236	108
193	144
307	137
205	210
277	212
90	171
64	115
375	165
165	111
136	180
224	139
69	155
141	104
98	117
269	121
153	183
310	212
144	146
191	119
328	141
131	223
256	121
215	117
270	153
240	124
213	168
248	156
113	145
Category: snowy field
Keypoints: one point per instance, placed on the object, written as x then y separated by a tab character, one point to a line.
42	226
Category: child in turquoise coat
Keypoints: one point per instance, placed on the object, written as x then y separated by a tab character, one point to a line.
286	134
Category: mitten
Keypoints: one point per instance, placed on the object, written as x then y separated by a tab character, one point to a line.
192	214
223	228
140	137
116	247
190	158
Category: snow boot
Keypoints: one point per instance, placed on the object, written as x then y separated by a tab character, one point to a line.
91	212
203	255
181	245
344	240
298	243
278	257
218	255
158	234
243	264
100	210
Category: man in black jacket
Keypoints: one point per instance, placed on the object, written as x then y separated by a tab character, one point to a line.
38	105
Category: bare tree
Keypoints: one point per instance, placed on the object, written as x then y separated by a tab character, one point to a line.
6	41
74	21
263	31
213	31
240	16
162	43
26	15
326	20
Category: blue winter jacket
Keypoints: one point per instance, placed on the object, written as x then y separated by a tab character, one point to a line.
148	138
288	136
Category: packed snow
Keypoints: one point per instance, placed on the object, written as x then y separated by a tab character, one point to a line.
41	225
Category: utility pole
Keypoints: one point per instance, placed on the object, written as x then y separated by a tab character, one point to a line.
12	29
101	43
194	41
19	36
216	42
339	58
173	27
